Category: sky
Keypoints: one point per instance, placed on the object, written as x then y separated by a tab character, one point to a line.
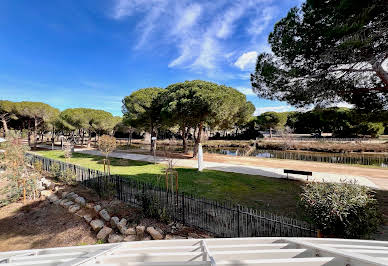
92	53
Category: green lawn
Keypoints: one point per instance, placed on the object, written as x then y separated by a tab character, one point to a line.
275	195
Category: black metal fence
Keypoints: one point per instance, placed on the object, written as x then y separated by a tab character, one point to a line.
221	219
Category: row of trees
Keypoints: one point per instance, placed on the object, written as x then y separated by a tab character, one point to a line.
39	118
342	122
188	106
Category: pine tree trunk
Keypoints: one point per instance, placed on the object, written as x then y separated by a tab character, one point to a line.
35	130
5	126
184	132
198	140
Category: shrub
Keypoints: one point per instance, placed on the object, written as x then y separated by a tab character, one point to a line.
55	170
68	177
343	210
107	144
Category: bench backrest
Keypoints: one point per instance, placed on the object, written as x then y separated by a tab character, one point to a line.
297	172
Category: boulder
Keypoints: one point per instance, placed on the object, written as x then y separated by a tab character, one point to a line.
129	238
88	218
74	208
80	200
103	233
155	234
97	208
64	193
104	215
140	232
97	224
115	238
40	186
45	182
57	202
123	221
130	231
114	221
63	201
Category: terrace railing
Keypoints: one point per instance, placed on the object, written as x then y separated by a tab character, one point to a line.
221	219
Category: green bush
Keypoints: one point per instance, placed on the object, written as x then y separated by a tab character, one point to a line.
68	177
55	170
342	210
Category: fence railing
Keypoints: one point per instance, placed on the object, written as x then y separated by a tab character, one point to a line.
221	219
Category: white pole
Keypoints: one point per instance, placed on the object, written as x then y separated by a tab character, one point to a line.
200	157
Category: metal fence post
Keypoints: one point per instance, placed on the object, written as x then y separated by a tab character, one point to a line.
238	220
183	208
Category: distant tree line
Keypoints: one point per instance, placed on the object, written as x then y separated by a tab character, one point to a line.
341	122
36	119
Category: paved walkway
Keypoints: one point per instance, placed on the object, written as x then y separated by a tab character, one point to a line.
235	168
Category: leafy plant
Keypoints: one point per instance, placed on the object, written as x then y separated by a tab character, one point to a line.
68	177
343	210
55	170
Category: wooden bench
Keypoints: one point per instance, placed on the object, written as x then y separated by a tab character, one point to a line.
297	172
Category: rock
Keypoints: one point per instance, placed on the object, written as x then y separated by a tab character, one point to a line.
114	221
115	238
40	186
155	234
57	202
46	193
104	215
56	188
140	232
68	203
53	198
88	218
80	201
129	238
63	201
122	226
69	195
130	231
74	208
89	205
73	197
97	208
147	238
46	183
123	221
97	224
104	232
192	235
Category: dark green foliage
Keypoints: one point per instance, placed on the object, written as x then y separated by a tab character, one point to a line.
342	210
311	44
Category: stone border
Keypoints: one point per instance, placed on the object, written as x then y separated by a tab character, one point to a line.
108	228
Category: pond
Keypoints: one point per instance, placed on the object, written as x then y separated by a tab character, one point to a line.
345	158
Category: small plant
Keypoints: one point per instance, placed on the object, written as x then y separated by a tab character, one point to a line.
38	166
107	144
55	170
68	151
341	210
68	177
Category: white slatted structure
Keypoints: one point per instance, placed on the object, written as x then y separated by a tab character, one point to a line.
259	251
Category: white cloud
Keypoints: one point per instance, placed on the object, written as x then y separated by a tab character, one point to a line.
246	61
281	108
245	90
259	23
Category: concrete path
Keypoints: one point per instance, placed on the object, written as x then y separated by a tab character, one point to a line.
235	168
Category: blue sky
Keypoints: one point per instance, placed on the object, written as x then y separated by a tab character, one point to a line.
91	53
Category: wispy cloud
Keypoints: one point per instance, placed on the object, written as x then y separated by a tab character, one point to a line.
202	31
